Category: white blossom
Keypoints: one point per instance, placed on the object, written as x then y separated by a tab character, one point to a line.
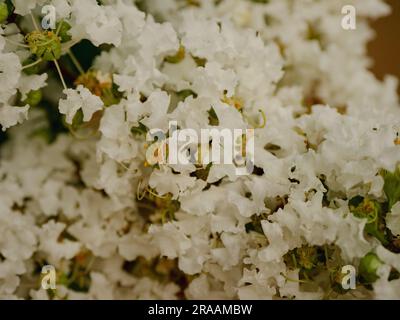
79	99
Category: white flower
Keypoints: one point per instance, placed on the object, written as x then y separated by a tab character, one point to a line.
153	112
10	116
49	197
200	288
81	98
32	82
100	287
278	246
98	23
161	181
18	240
393	219
389	258
116	139
24	7
385	289
171	241
63	8
51	244
132	246
10	68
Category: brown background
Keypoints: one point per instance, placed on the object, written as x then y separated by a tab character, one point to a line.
385	48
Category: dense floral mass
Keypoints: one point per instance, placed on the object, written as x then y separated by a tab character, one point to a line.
77	192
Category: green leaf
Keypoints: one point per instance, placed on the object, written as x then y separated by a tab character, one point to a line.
373	230
391	186
64	31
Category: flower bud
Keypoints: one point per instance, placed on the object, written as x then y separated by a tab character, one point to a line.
33	97
44	44
3	12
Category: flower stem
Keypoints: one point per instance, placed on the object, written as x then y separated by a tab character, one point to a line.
66	46
140	194
16	43
59	27
60	74
32	64
75	62
264	118
34	22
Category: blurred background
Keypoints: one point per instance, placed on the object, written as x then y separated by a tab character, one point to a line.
385	49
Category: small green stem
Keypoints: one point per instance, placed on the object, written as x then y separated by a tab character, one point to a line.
16	43
75	62
294	280
60	74
34	22
143	193
260	126
32	64
59	27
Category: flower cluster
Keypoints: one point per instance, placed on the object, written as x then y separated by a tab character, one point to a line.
77	192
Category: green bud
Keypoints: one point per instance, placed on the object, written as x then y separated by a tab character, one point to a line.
3	12
44	44
369	264
33	98
77	121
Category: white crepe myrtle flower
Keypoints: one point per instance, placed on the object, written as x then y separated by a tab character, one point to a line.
17	245
170	240
31	83
23	7
10	73
10	70
383	288
10	115
100	24
116	133
49	235
79	99
393	219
